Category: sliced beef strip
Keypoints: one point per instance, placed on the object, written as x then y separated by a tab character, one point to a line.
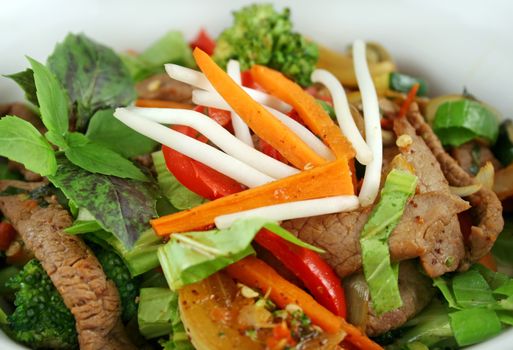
72	267
162	87
486	208
428	228
416	292
472	155
444	236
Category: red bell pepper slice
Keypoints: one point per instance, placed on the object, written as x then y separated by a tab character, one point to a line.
204	42
318	277
7	234
196	176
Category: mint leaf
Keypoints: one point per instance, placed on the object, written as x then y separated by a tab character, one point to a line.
108	131
22	143
96	158
53	101
25	80
121	206
93	75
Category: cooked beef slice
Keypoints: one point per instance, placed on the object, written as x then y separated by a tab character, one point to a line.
486	208
72	267
428	229
162	87
472	155
416	292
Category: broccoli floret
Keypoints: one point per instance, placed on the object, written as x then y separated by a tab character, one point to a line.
260	35
116	270
40	318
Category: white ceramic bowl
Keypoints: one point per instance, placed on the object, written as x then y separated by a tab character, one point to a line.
451	44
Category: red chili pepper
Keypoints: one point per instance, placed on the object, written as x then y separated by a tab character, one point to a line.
204	42
247	79
269	150
7	234
318	277
409	100
196	176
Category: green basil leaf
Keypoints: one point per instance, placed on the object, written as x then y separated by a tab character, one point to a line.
180	197
57	139
108	131
22	143
93	75
96	158
53	101
25	79
121	206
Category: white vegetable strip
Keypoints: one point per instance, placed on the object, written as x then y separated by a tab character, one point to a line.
239	126
219	136
206	98
198	79
194	149
344	117
293	210
372	178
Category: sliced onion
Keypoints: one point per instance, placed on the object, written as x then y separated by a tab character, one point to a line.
372	178
220	137
206	98
293	210
465	191
239	126
485	175
194	149
343	113
503	185
198	79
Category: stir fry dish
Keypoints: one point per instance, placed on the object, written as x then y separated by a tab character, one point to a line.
252	191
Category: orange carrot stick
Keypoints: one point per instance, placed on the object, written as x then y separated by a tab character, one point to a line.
405	107
488	261
330	179
257	274
141	102
263	123
314	116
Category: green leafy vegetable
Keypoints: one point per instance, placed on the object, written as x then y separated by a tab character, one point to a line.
380	274
179	196
5	172
471	290
260	35
193	256
96	158
109	132
157	309
457	122
25	80
121	206
93	75
53	101
328	109
22	143
170	48
40	318
471	326
503	149
404	83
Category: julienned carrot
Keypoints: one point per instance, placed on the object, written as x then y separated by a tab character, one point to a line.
405	107
308	109
262	122
141	102
330	179
257	274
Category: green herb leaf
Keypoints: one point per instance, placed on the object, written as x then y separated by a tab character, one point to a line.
471	326
157	306
504	244
53	101
171	48
443	285
121	206
471	290
22	143
107	131
180	197
96	158
93	75
25	80
379	272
